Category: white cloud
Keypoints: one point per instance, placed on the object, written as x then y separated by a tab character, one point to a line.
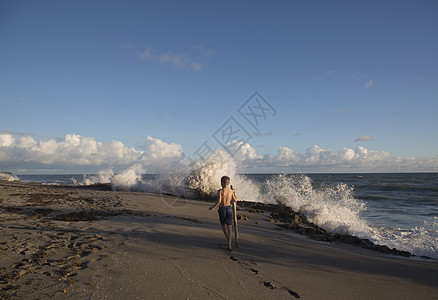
178	60
243	152
369	83
363	138
74	153
158	150
318	159
6	140
80	154
72	150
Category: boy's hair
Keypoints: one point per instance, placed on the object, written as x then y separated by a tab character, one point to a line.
225	180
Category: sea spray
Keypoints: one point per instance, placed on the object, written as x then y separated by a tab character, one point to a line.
204	177
129	179
7	176
200	179
332	208
104	176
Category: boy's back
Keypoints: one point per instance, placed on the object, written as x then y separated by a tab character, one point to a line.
225	196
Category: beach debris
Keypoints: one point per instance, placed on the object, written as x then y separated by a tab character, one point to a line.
242	217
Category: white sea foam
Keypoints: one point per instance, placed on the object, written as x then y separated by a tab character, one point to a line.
8	176
205	176
419	241
333	208
104	176
128	180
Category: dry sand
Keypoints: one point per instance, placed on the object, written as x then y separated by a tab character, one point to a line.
85	243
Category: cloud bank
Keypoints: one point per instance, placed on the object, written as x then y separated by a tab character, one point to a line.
318	159
76	154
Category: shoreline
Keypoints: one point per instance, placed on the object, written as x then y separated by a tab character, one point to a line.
281	214
290	219
89	242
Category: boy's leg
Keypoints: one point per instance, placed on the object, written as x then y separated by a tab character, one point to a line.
225	231
229	235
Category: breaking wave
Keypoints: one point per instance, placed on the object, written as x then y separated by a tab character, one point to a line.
8	176
332	208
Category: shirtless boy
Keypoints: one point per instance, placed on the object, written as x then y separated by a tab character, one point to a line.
225	196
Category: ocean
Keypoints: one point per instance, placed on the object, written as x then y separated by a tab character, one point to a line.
396	210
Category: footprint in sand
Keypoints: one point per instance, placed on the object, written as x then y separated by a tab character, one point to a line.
268	284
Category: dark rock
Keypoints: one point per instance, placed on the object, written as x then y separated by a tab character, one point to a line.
242	217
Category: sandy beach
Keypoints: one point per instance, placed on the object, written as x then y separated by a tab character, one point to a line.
92	243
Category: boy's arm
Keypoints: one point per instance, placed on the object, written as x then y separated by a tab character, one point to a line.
214	206
218	201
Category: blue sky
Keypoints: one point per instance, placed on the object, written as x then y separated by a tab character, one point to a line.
176	71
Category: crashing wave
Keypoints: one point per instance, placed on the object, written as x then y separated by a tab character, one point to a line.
7	176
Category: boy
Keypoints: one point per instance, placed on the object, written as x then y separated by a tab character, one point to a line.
225	195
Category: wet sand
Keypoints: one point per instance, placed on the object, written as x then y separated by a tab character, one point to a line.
91	243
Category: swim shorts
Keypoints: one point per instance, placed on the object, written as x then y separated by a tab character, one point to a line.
226	215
